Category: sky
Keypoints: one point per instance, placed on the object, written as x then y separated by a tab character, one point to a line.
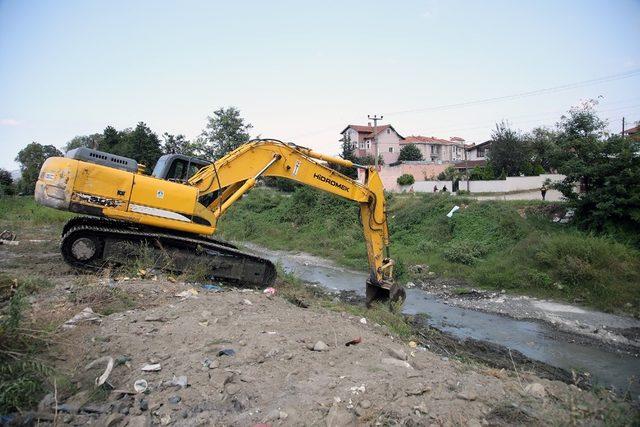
301	71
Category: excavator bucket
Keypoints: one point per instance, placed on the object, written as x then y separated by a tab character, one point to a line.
392	293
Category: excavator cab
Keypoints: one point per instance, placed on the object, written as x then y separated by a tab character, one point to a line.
177	167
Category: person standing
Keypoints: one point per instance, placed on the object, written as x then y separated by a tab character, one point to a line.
435	188
543	191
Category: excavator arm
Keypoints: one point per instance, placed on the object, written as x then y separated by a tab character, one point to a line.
169	211
236	173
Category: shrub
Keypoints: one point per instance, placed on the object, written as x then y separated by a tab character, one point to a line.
406	179
464	252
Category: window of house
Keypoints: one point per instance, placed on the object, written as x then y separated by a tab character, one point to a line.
388	131
480	152
361	145
391	149
368	144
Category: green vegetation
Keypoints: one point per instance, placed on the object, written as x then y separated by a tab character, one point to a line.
492	244
406	179
23	377
24	210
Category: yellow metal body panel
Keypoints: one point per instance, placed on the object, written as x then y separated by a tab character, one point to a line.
102	186
55	182
164	195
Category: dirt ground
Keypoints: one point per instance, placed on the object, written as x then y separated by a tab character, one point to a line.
273	375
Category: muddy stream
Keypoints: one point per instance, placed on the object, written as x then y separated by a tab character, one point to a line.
536	340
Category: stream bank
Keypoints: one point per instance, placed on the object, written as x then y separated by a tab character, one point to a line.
558	351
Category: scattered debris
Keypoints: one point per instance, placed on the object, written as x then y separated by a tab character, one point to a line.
180	381
320	346
212	288
152	367
8	238
363	321
398	354
86	315
246	302
174	399
189	293
353	341
227	352
140	386
453	210
269	291
102	378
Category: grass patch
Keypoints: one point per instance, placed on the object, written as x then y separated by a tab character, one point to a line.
103	299
24	209
492	244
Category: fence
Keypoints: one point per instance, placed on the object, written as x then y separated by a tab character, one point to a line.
512	183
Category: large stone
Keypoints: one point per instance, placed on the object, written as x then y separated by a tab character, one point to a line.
139	421
320	346
398	354
339	417
536	390
396	362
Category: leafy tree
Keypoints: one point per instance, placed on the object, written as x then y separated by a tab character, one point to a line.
449	174
111	140
482	173
543	143
410	152
225	131
348	152
91	141
605	169
31	159
141	144
178	144
369	159
6	183
509	151
405	179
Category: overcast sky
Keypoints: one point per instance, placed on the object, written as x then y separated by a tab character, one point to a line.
301	71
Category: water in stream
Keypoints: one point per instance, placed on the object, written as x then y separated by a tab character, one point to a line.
533	339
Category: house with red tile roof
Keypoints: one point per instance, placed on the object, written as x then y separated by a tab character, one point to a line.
362	138
437	150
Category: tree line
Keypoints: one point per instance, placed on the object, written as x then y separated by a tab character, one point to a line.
224	131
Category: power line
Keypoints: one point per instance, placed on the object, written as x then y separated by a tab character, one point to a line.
554	89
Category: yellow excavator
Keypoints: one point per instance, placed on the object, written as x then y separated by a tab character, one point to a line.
176	209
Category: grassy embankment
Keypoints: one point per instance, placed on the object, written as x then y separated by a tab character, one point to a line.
511	245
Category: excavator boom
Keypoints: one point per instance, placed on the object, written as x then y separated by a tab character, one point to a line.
104	185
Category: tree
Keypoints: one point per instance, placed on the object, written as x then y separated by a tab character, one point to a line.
6	183
178	144
111	140
31	159
90	141
543	143
348	152
225	131
410	152
449	174
405	179
605	168
509	151
142	145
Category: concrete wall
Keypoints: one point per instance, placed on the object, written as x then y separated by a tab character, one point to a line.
419	170
516	183
425	186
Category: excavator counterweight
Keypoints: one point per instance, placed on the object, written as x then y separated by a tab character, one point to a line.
179	205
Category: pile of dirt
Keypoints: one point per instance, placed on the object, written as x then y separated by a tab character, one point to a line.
241	358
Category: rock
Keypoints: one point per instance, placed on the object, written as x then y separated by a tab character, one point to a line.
365	404
320	346
174	399
398	354
339	417
363	321
143	405
421	409
247	302
396	362
467	395
68	408
113	420
96	409
232	389
417	389
139	421
273	415
46	403
536	390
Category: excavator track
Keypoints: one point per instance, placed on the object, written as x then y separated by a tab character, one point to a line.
86	241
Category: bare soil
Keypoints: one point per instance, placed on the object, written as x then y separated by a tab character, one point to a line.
273	376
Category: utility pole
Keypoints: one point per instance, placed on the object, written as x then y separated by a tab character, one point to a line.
623	127
375	119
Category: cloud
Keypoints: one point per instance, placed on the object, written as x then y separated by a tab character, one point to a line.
9	122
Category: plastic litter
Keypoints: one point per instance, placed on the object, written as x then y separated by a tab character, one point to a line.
353	342
227	352
453	209
86	315
151	367
269	291
102	378
189	293
140	386
413	344
180	381
212	288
